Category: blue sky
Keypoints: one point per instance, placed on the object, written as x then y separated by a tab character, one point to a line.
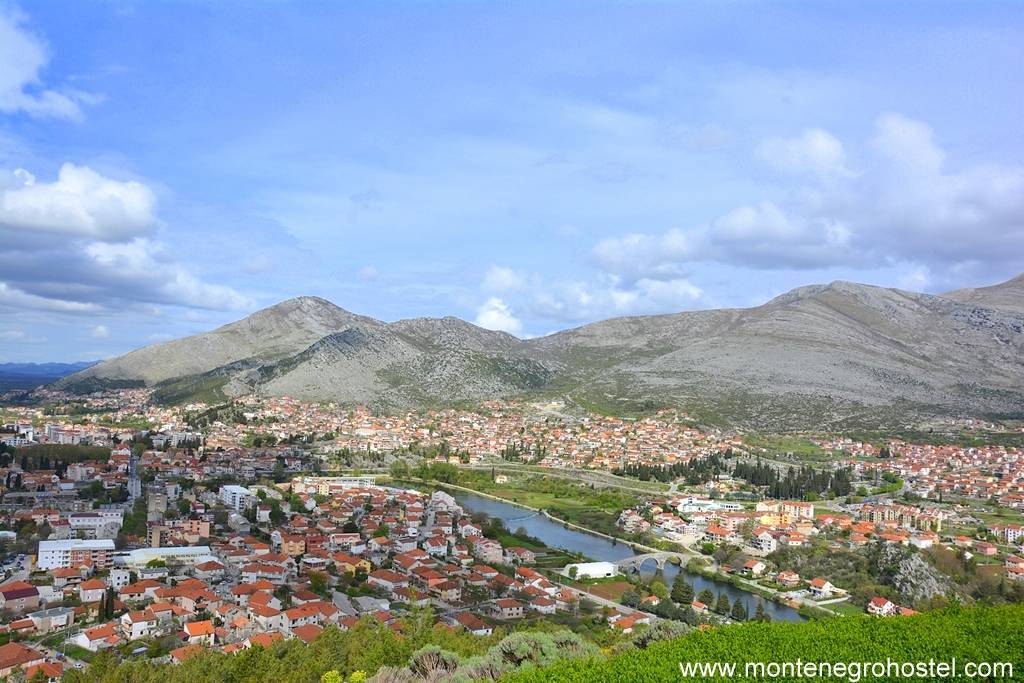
169	167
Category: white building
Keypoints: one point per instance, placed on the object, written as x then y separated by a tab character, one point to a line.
235	496
172	555
57	554
96	523
592	570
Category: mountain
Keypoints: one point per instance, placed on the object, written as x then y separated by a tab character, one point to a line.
267	335
1007	295
822	355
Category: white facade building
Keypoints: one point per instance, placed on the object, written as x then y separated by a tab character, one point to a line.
235	496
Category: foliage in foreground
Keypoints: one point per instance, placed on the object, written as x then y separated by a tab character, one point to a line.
994	634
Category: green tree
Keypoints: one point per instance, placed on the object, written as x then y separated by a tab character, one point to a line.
722	606
707	597
682	591
739	610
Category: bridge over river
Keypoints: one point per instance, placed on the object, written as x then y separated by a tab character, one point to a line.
633	564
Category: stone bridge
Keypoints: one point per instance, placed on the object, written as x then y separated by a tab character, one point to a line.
632	564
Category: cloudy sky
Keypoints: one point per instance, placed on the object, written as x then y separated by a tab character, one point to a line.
169	167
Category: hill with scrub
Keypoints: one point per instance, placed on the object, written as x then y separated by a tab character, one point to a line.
421	652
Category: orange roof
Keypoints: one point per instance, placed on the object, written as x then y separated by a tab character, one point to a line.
199	628
184	652
307	633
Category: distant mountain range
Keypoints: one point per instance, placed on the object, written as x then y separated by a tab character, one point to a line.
840	354
32	375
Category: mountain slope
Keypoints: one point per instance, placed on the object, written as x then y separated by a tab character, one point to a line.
820	355
1007	295
275	332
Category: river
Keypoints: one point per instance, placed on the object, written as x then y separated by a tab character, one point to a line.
597	548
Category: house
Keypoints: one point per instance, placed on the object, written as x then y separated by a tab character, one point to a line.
487	550
15	656
517	555
200	632
52	619
820	588
98	637
50	672
507	608
140	624
91	591
787	578
474	624
387	580
19	597
182	653
301	616
764	541
881	607
209	571
543	605
307	633
754	567
629	622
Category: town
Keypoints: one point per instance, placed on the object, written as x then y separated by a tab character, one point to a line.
158	533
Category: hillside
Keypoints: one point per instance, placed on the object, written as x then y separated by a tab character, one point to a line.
841	354
1007	295
977	635
989	634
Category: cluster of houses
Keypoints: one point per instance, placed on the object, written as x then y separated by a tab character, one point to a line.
369	551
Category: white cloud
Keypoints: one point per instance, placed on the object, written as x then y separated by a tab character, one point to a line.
903	207
368	272
81	203
502	279
147	265
15	298
495	314
22	57
815	151
580	300
907	143
80	244
11	335
100	332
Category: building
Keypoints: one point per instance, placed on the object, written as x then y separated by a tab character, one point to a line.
75	552
172	555
234	496
18	597
95	524
592	570
15	656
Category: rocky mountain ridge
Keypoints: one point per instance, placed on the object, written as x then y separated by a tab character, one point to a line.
841	353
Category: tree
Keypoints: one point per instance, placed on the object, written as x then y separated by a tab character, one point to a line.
722	607
760	614
658	589
631	598
573	572
707	597
318	583
682	591
739	610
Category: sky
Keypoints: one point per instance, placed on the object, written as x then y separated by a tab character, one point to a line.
168	167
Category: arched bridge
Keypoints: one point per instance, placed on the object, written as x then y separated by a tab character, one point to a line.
633	564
